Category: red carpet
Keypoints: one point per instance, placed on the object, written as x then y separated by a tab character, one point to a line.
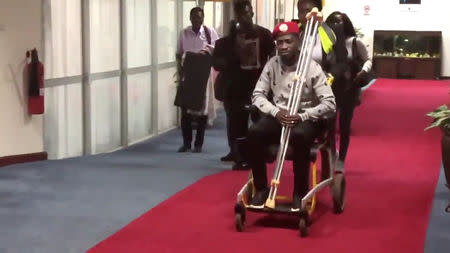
392	170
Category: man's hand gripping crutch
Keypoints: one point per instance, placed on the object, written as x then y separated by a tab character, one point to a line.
293	104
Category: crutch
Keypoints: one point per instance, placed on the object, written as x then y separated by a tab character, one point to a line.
293	104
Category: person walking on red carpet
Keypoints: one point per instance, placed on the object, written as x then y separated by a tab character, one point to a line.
353	62
242	57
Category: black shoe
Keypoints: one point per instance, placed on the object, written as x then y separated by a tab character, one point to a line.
183	149
228	158
241	166
197	149
259	199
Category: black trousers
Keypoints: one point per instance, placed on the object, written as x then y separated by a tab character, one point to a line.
346	103
186	128
267	131
345	113
227	107
237	127
238	119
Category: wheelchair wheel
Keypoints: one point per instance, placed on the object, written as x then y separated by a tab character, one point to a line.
239	222
303	227
338	193
250	189
239	217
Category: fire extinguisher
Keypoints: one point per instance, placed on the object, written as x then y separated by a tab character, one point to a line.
35	84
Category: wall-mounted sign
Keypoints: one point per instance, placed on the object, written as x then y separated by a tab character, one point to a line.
410	1
366	9
410	5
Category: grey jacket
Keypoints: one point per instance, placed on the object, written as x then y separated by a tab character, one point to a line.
316	100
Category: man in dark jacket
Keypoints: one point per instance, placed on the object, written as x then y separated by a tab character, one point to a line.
241	57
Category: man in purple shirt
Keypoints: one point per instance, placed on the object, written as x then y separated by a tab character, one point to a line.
194	41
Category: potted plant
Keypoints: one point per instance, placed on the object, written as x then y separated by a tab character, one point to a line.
441	119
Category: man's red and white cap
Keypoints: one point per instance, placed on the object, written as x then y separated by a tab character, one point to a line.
285	28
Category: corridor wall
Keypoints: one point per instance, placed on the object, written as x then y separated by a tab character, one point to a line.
20	30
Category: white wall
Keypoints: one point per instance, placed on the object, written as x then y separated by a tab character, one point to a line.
431	15
20	30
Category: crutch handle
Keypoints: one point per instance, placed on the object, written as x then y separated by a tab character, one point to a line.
275	183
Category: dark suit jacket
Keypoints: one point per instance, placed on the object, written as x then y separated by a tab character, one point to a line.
191	91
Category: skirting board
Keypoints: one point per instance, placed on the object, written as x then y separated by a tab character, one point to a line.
24	158
444	78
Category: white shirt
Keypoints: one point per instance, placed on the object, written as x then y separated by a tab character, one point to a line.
189	41
317	51
362	51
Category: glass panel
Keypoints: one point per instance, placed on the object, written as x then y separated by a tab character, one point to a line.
255	7
167	30
167	112
289	10
280	10
266	13
218	20
138	33
63	39
187	6
270	15
139	106
63	134
104	35
295	10
407	44
208	9
105	114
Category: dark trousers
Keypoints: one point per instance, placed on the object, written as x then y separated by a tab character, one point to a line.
266	132
186	128
345	121
237	127
346	103
227	107
238	119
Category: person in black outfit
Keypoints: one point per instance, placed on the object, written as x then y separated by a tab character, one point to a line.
241	57
222	84
352	64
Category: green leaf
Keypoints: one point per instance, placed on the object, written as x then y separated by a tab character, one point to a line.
444	114
434	124
438	123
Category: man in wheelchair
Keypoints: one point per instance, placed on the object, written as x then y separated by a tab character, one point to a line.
317	101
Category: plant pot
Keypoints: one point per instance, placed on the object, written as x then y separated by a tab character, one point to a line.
445	144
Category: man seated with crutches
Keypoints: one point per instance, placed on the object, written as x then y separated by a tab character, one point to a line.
295	115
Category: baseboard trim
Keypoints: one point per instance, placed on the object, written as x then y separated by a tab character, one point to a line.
23	158
444	78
